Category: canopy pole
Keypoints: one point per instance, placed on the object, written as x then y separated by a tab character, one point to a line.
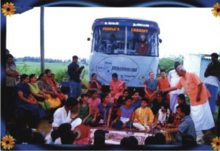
42	39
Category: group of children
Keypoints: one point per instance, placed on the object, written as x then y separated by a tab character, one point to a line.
128	111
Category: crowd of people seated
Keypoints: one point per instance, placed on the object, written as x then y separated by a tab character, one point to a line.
38	97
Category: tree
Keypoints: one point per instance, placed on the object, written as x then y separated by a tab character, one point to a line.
168	63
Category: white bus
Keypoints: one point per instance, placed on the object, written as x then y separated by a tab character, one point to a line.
128	47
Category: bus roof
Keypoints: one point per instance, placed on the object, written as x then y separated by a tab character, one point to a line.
125	22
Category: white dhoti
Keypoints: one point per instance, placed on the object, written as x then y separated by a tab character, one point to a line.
202	117
173	101
141	127
76	123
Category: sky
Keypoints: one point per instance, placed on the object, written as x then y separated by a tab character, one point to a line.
182	30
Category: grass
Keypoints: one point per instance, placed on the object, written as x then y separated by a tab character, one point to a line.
59	69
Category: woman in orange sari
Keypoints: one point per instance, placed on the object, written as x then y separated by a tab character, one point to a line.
116	87
151	87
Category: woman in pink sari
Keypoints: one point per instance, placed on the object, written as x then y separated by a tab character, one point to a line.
116	87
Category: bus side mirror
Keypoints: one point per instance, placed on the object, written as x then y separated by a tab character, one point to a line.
160	40
88	39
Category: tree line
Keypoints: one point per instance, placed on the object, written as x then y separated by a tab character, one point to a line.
48	60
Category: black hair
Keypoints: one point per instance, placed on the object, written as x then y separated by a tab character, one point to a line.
67	137
103	96
40	76
176	64
9	56
182	97
71	102
126	90
46	71
136	92
52	74
125	142
184	108
160	139
165	105
37	138
55	134
160	93
162	70
75	57
93	92
127	98
150	140
31	76
145	100
115	75
64	127
99	137
133	140
23	76
93	74
215	55
84	95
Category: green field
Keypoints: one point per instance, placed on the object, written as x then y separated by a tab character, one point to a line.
59	69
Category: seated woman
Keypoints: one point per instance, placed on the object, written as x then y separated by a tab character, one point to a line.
84	111
162	116
158	102
50	79
116	87
94	101
27	106
125	115
118	103
103	114
94	84
38	94
151	87
48	90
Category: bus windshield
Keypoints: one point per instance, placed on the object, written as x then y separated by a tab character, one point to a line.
139	41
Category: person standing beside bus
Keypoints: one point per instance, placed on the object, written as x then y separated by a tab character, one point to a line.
74	72
151	87
164	83
174	78
198	94
212	75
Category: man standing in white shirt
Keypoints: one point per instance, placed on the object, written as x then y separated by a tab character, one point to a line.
173	79
212	75
63	115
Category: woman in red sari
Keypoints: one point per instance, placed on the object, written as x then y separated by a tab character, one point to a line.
116	87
